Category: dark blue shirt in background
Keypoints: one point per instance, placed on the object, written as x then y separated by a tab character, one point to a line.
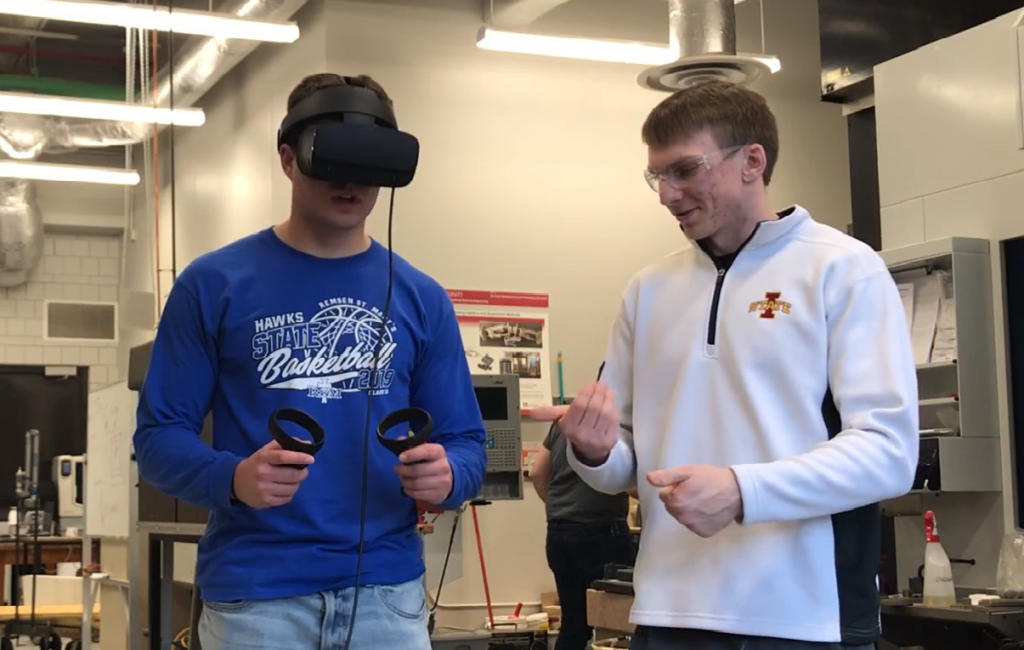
256	326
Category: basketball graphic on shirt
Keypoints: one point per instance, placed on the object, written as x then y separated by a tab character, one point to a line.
340	321
328	355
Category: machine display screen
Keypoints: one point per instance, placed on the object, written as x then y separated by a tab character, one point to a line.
493	402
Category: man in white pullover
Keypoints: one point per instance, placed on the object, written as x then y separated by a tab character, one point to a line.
759	391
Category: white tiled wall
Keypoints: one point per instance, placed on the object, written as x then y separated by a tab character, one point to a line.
74	267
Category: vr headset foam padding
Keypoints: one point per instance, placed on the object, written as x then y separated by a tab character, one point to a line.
347	135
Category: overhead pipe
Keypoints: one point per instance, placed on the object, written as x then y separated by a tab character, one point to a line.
698	27
70	56
21	231
200	64
702	40
518	13
61	87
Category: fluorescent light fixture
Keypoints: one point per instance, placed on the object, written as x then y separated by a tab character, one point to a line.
589	49
72	173
153	17
92	109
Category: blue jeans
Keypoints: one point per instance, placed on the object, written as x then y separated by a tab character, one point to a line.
387	616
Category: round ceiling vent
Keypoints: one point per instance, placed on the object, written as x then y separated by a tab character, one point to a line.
693	70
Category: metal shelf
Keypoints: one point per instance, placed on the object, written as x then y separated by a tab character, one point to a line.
958	395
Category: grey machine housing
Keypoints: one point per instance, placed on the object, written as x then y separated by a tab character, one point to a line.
498	398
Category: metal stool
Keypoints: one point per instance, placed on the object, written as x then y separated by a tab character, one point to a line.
195	611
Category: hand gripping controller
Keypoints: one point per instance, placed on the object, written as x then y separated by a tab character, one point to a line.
292	443
419	424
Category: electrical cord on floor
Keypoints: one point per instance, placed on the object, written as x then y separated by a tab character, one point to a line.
366	432
444	569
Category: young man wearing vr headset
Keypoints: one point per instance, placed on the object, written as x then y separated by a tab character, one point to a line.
305	552
760	391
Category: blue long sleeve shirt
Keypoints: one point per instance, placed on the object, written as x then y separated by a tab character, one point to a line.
257	326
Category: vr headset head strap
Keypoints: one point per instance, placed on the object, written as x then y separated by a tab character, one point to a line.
353	104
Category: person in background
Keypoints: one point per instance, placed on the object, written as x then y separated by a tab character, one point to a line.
759	390
290	317
586	530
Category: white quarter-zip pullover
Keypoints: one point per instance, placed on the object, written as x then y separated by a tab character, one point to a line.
793	367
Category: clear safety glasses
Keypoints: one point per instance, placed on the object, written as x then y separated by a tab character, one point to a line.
680	173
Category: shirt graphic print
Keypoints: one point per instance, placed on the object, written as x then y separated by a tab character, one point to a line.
328	353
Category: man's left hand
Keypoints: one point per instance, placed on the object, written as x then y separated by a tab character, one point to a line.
705	499
425	473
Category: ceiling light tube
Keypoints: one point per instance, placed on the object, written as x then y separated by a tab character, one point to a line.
93	109
589	49
153	17
71	173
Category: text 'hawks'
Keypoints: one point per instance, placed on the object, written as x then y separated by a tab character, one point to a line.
335	348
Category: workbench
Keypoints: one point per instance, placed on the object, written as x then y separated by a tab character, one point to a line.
905	624
950	628
52	551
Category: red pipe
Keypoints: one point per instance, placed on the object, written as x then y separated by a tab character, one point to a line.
483	566
74	56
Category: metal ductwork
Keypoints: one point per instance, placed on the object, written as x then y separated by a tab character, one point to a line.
702	35
198	65
518	13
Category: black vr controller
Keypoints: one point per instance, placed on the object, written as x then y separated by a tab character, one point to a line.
418	423
291	443
347	135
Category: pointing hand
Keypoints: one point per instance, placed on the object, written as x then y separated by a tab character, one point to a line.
590	423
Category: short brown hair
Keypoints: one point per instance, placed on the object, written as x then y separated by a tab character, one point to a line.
319	81
735	115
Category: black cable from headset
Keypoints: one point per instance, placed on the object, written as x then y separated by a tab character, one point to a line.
366	433
444	570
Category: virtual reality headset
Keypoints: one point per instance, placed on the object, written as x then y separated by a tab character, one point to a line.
348	135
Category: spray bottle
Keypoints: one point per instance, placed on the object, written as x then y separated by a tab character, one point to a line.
938	573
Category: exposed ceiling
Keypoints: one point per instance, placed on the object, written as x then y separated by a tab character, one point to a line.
89	54
75	51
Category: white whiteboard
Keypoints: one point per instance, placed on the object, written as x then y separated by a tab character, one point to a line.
108	468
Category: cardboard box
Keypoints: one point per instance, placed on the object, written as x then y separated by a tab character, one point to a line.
609	611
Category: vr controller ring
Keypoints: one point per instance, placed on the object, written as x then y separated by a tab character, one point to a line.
407	416
291	443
